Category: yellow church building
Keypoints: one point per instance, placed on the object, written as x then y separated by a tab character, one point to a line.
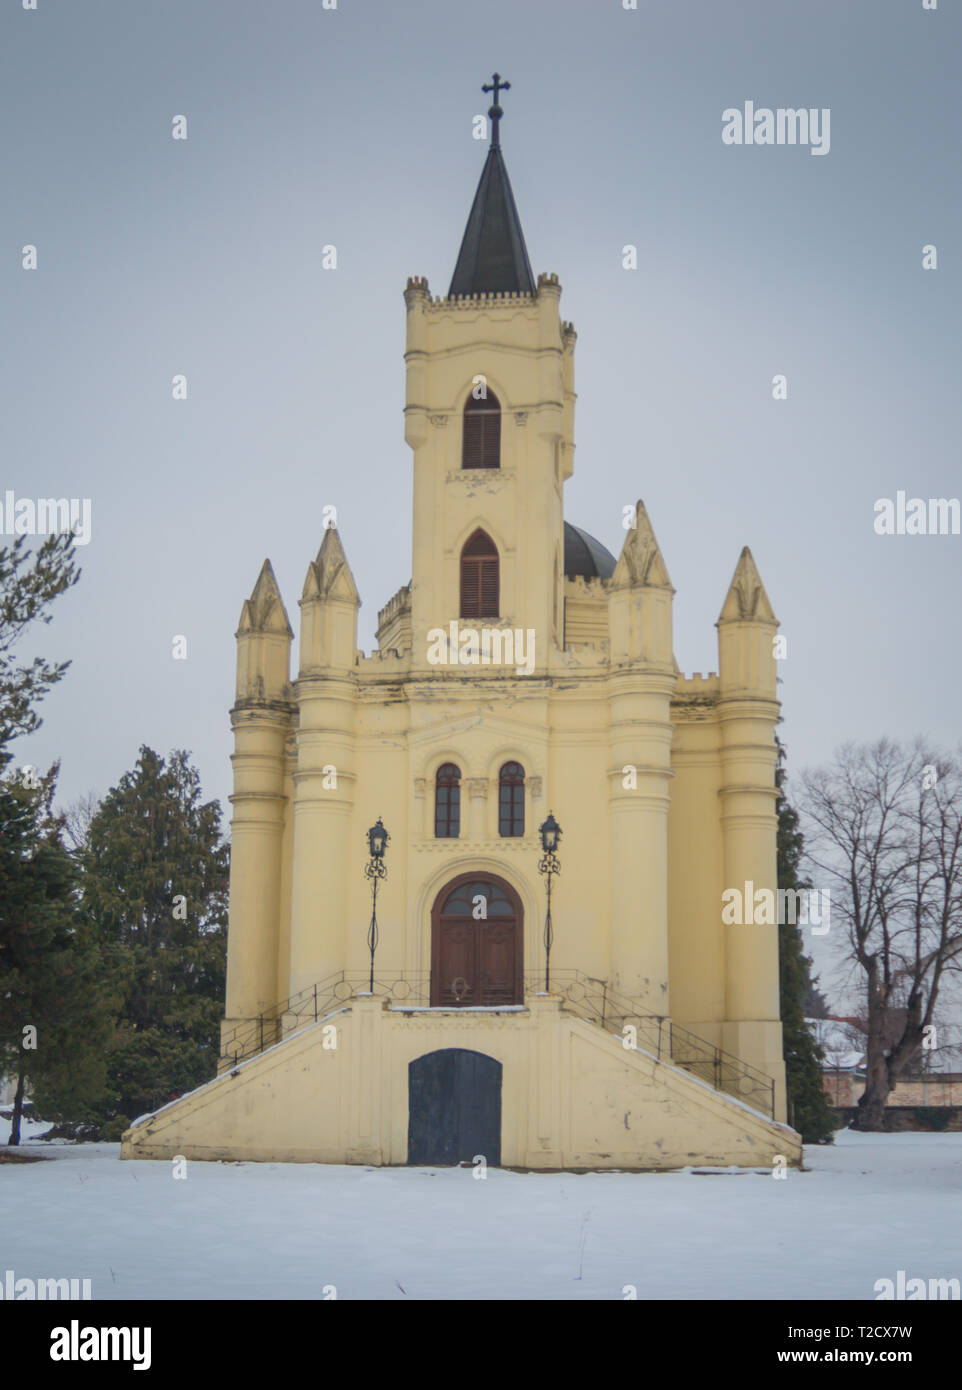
477	876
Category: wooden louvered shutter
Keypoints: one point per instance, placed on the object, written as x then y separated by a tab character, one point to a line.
480	578
481	445
489	588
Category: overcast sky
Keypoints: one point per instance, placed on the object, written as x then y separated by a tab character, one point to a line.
353	127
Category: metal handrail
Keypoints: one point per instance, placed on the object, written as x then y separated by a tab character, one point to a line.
252	1035
590	998
594	1000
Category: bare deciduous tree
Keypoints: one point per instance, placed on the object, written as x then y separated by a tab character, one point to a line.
77	817
884	831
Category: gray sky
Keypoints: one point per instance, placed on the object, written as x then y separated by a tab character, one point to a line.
354	127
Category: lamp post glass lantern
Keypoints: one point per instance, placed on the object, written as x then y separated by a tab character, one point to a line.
375	870
548	865
377	838
550	832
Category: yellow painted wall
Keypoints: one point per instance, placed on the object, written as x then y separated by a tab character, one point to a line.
645	856
572	1097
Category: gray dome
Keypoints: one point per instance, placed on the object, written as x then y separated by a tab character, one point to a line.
586	556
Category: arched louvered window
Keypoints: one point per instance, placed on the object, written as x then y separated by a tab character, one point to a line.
480	577
481	442
447	802
511	800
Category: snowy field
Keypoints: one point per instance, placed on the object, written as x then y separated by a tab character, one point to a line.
871	1205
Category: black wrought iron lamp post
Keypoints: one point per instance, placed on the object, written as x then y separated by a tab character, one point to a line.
549	864
375	870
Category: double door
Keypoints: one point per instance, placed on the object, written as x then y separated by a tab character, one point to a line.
476	933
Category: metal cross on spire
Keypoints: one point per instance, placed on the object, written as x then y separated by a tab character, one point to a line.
495	111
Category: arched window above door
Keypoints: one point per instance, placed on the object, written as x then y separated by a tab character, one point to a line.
463	902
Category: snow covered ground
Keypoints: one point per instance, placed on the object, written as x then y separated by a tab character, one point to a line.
870	1206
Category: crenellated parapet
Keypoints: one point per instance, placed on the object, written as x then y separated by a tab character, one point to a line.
696	697
697	683
493	299
417	290
394	622
586	611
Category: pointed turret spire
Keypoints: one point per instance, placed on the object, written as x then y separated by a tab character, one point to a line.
747	661
493	257
330	575
263	643
746	600
640	563
264	611
329	605
639	601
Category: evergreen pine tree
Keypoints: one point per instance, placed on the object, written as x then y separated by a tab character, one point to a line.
46	969
26	593
51	1013
155	890
815	1004
809	1110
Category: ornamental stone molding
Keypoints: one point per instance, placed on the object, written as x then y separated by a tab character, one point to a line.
465	1022
510	844
491	477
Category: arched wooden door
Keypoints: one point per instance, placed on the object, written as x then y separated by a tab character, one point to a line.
477	925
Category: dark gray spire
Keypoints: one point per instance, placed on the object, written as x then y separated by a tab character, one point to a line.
493	257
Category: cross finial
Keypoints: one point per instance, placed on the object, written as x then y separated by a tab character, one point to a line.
494	111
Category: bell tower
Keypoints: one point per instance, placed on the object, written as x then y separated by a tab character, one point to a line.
489	415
